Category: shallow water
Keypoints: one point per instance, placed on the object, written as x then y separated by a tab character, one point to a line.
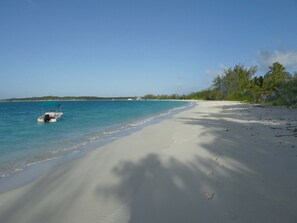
24	142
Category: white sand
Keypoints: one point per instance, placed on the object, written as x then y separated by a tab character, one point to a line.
218	162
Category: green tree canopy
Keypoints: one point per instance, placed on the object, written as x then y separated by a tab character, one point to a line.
275	77
235	83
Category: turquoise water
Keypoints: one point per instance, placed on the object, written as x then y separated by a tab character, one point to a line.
85	124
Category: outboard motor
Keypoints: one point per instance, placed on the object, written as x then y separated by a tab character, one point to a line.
47	118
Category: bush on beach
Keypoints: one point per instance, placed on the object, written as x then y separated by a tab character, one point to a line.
239	83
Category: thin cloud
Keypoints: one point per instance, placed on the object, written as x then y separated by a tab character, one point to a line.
286	58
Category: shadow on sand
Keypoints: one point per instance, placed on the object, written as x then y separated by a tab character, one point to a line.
245	176
245	179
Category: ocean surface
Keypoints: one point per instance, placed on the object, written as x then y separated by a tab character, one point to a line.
85	125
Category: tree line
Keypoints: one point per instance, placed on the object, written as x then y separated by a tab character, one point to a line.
240	83
67	98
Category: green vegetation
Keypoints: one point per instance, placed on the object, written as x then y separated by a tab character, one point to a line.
164	97
234	84
238	83
67	98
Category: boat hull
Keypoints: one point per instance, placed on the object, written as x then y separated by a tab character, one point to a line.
49	117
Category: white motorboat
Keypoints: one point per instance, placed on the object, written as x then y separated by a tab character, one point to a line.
53	113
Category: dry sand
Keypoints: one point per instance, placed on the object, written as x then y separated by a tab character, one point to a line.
218	162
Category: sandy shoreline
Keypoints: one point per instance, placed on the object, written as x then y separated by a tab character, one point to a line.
218	162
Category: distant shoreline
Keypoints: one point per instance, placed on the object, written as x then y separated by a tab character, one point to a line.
67	98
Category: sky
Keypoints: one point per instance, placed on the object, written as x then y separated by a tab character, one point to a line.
114	48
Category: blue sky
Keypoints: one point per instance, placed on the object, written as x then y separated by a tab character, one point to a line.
137	47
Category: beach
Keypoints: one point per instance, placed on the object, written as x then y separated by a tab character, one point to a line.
217	162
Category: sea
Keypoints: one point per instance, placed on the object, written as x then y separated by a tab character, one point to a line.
85	125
